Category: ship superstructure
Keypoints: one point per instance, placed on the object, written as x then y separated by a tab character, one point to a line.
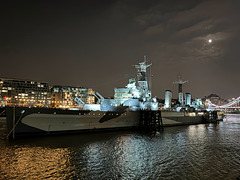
182	104
144	92
137	95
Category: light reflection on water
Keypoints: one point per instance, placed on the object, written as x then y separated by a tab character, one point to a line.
206	151
35	163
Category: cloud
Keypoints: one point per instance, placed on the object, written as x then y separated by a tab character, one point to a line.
154	29
182	35
198	28
199	48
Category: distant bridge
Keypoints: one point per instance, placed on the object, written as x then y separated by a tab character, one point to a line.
235	104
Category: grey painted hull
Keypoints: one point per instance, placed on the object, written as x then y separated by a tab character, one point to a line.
39	120
90	121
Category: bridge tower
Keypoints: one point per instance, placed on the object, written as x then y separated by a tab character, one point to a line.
180	83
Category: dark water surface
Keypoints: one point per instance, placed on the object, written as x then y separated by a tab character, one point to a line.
206	151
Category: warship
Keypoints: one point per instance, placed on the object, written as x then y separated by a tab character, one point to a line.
107	114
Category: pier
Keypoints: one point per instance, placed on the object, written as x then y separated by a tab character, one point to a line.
150	121
213	117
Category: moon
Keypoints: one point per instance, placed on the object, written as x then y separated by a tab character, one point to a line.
210	40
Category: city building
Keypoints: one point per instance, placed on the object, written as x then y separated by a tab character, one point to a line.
18	92
15	92
71	97
214	99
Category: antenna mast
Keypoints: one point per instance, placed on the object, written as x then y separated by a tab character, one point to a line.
142	78
142	74
180	83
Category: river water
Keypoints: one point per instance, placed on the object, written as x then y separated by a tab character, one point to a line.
205	151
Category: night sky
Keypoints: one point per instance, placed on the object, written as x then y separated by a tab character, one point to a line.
96	43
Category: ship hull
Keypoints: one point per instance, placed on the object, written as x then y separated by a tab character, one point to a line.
170	118
22	121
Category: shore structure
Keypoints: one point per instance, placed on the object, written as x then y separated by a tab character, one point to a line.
29	93
121	112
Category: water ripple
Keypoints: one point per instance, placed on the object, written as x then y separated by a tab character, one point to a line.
187	152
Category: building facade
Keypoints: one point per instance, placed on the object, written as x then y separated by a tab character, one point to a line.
71	97
214	99
28	93
15	92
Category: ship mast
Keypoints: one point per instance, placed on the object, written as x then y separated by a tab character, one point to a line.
142	77
180	83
